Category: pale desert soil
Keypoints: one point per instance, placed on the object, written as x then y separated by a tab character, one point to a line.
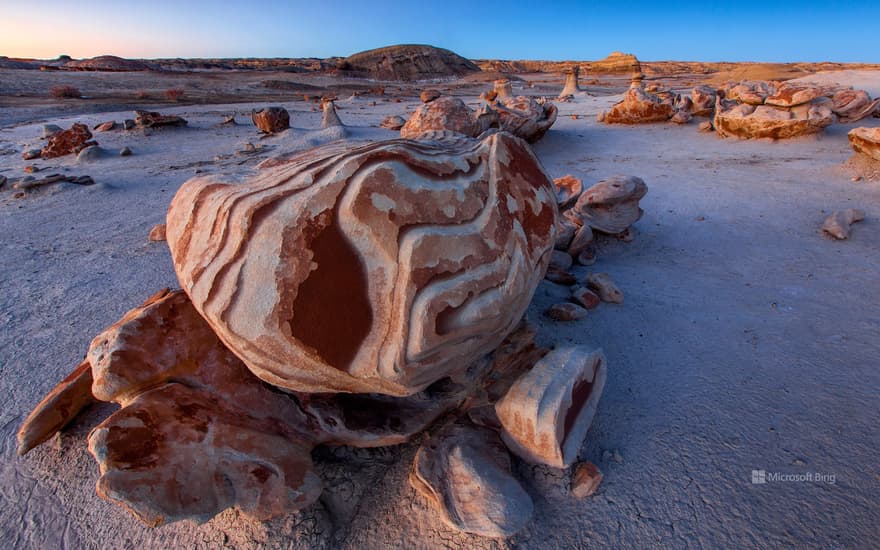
746	340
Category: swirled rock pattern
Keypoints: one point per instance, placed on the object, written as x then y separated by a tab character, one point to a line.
380	268
853	105
765	121
526	117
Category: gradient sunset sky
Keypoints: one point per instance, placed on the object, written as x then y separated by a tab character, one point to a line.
697	30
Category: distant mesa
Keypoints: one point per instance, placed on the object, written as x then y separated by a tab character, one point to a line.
105	63
616	62
406	62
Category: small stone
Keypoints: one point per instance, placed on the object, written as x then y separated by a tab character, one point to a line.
82	180
157	234
125	151
574	117
600	117
90	153
583	238
701	218
128	124
857	178
249	148
560	277
30	169
31	154
393	123
705	126
3	181
106	126
838	224
585	479
271	119
560	260
602	285
585	297
50	130
428	96
565	311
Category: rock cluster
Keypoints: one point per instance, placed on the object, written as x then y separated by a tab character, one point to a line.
67	142
639	106
368	260
524	117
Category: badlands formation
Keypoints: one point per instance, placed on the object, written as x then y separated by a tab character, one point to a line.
407	299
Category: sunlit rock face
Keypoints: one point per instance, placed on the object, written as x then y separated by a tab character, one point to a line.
865	141
376	268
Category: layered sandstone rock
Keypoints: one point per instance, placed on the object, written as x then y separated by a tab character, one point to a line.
503	89
865	141
526	117
547	411
853	105
148	119
765	121
406	62
568	189
384	232
610	206
444	113
790	95
571	87
464	471
703	101
329	117
67	142
271	120
616	63
639	106
749	92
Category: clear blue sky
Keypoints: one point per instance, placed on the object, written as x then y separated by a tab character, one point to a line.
701	30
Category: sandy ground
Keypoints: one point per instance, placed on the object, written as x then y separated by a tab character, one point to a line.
747	341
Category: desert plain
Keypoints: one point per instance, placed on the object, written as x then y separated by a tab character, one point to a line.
747	339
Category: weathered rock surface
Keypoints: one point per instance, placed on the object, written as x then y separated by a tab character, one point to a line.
568	189
91	153
749	92
109	63
865	141
571	87
585	479
838	224
765	121
464	471
57	409
703	101
384	232
585	297
67	142
526	117
271	120
503	89
602	285
50	130
548	410
393	122
106	126
406	62
790	95
610	206
329	117
639	106
427	96
150	119
444	113
157	234
853	105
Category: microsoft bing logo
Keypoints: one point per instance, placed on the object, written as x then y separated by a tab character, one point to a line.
759	476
